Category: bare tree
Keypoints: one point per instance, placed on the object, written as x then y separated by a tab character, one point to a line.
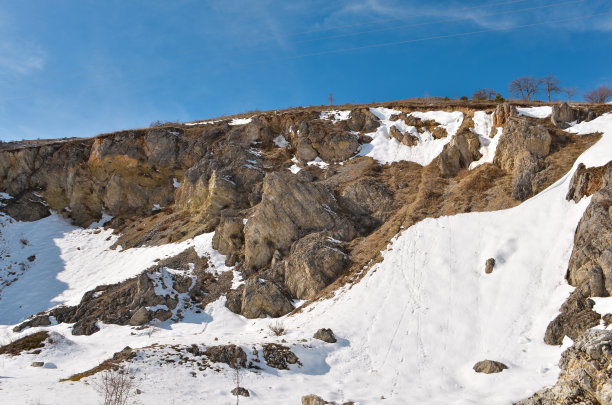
599	95
569	92
551	85
115	386
483	94
525	87
331	98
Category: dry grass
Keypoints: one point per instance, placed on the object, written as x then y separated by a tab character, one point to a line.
107	365
24	344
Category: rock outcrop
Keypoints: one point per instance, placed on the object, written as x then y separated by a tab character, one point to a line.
585	373
591	259
292	206
576	316
563	115
520	151
459	153
502	113
262	298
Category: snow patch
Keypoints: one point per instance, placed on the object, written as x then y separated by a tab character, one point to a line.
535	112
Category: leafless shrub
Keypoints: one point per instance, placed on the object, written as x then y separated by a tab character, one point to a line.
599	95
277	329
115	386
525	87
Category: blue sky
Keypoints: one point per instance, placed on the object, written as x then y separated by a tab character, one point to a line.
84	67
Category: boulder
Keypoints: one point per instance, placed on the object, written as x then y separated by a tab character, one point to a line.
241	391
439	132
315	262
262	298
291	207
140	317
521	151
279	356
313	400
37	364
489	264
404	138
28	207
325	335
459	153
489	367
229	238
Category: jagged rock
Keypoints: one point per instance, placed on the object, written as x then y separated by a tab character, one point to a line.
520	151
576	316
439	132
279	356
584	377
313	400
591	259
563	115
325	335
459	153
407	138
231	355
489	264
241	391
261	298
233	300
362	120
315	262
140	317
489	367
258	131
502	113
291	206
229	238
331	143
368	200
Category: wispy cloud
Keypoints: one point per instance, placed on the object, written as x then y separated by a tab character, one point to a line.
18	58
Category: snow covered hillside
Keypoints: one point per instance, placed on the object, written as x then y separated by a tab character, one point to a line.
409	327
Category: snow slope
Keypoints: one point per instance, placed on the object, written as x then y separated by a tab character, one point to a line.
409	331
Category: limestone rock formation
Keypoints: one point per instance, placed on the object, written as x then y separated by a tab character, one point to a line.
315	262
502	113
362	120
404	138
520	151
291	207
489	367
585	373
563	115
261	298
591	259
459	153
576	316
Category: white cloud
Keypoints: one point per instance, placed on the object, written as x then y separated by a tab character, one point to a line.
18	58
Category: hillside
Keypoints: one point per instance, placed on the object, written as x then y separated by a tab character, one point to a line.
428	236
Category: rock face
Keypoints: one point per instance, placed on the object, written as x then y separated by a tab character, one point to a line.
591	259
563	115
325	335
315	262
362	120
576	316
489	367
585	373
291	207
262	298
502	113
520	151
459	153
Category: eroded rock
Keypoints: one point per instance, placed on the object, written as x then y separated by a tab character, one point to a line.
326	335
459	153
261	298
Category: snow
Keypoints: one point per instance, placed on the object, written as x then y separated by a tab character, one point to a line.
241	121
5	196
157	207
335	115
388	150
483	126
535	112
280	141
317	162
176	183
410	330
